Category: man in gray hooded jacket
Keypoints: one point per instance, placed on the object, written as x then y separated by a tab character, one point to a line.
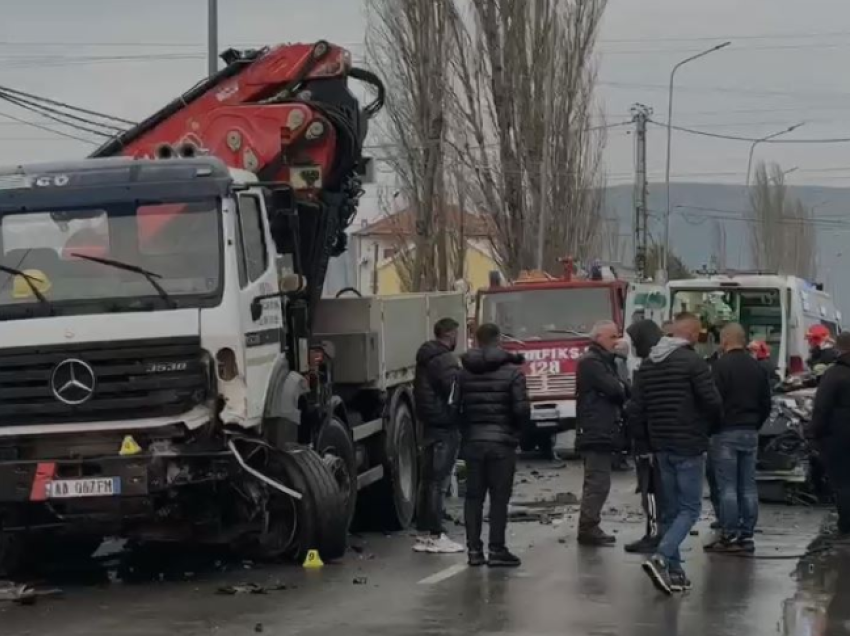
678	403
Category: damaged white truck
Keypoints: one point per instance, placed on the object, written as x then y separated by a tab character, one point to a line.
168	370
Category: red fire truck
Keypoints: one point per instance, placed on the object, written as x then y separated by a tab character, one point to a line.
548	320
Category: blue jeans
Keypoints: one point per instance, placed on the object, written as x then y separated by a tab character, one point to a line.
733	454
681	487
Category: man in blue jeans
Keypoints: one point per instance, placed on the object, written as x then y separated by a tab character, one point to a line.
744	387
676	397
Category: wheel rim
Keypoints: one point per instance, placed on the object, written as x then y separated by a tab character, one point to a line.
406	457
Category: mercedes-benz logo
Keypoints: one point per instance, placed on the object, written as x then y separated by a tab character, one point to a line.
73	381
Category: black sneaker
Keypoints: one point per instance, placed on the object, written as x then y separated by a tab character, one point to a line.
679	582
656	568
746	545
596	538
476	558
503	558
647	544
723	545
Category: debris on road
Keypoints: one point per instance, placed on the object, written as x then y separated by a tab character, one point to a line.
360	580
24	594
251	588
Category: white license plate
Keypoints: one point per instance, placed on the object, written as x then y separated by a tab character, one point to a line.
542	415
92	487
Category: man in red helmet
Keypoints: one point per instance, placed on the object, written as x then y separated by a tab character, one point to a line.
822	351
760	350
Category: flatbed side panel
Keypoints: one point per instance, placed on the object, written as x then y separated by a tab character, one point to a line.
386	332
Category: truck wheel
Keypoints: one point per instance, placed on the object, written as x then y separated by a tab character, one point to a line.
324	504
396	495
293	527
336	448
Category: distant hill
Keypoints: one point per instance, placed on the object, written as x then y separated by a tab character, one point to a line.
710	205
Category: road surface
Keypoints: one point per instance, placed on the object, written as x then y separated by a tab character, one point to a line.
384	589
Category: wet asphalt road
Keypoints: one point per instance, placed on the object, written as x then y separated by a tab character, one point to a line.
386	589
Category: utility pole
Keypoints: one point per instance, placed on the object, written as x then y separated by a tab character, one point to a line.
640	115
212	37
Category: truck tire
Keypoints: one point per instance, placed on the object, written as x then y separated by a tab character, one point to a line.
324	504
394	499
294	527
336	448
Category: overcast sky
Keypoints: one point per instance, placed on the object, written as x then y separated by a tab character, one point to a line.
787	64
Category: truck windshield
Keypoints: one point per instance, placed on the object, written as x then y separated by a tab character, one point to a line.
547	314
175	243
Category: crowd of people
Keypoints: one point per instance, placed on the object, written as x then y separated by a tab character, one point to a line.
687	420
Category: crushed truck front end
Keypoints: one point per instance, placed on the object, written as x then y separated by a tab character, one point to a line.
121	355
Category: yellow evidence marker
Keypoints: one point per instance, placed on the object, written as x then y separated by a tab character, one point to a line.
313	561
129	447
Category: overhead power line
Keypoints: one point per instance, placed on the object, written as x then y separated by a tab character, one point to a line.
703	133
46	129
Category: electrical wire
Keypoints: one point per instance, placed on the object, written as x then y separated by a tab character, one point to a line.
45	128
693	131
6	89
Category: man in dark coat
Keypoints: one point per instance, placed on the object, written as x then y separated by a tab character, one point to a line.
677	400
600	397
644	335
744	387
437	369
494	408
830	427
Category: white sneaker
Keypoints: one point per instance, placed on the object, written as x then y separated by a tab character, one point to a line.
444	545
424	543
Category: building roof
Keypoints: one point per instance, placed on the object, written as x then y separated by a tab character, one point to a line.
402	224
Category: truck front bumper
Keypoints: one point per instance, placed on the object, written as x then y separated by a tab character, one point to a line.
556	416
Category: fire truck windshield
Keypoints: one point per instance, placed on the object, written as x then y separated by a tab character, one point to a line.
176	243
547	314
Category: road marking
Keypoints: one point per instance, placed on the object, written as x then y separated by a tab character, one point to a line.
442	575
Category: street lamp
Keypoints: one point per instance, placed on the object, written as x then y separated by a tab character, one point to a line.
771	136
670	140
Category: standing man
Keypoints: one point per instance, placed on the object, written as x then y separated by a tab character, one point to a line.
830	427
600	398
644	336
494	408
677	400
744	387
437	369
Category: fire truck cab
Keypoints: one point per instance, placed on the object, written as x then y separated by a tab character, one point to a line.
549	320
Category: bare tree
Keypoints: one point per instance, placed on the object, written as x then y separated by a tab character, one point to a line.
782	233
408	42
524	80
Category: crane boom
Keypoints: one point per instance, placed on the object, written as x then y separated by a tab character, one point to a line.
287	115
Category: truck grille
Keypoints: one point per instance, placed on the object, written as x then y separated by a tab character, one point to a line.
131	379
553	384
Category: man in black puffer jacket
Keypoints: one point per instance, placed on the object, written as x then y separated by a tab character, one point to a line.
494	408
831	428
677	401
437	368
600	397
